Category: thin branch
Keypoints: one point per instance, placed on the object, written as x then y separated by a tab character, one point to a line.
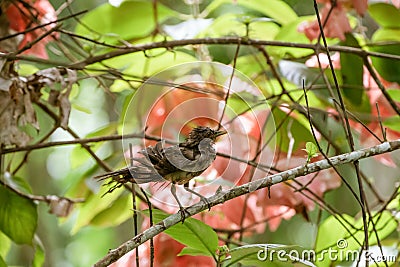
212	41
77	141
42	25
224	41
372	72
32	197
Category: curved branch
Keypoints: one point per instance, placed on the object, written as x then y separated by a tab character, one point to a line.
223	196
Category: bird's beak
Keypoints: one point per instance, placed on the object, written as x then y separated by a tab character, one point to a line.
219	133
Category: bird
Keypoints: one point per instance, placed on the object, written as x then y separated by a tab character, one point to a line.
176	164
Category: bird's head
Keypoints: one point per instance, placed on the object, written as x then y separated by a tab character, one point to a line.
199	133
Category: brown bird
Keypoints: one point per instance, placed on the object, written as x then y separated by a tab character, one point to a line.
176	164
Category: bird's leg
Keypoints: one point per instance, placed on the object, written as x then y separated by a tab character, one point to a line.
186	187
182	210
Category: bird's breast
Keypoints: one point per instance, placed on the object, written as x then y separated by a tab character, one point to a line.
181	177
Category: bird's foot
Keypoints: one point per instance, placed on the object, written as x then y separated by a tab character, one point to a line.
205	200
200	196
183	212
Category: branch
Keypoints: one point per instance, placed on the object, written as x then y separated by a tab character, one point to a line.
223	196
77	141
59	206
224	41
211	41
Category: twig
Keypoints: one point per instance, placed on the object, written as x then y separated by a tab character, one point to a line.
32	197
42	25
223	41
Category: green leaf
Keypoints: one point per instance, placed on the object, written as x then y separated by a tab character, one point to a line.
241	102
118	212
268	255
271	8
192	252
394	94
132	19
331	230
18	216
139	64
352	72
333	235
288	125
94	205
26	69
19	183
330	233
385	15
80	155
5	245
39	256
2	262
193	233
385	224
312	150
389	69
289	33
392	123
108	129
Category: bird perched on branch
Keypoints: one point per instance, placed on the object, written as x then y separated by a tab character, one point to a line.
176	164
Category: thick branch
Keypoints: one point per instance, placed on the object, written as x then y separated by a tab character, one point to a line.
222	41
214	41
224	196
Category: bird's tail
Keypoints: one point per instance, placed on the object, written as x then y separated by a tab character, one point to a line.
136	174
122	174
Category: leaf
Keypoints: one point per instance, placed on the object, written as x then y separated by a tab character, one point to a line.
389	69
18	183
385	224
392	123
18	216
352	72
108	129
192	252
132	19
394	94
2	262
39	256
272	8
26	69
330	233
312	150
386	15
118	212
241	102
268	255
289	33
289	125
331	230
95	204
193	233
5	245
80	155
